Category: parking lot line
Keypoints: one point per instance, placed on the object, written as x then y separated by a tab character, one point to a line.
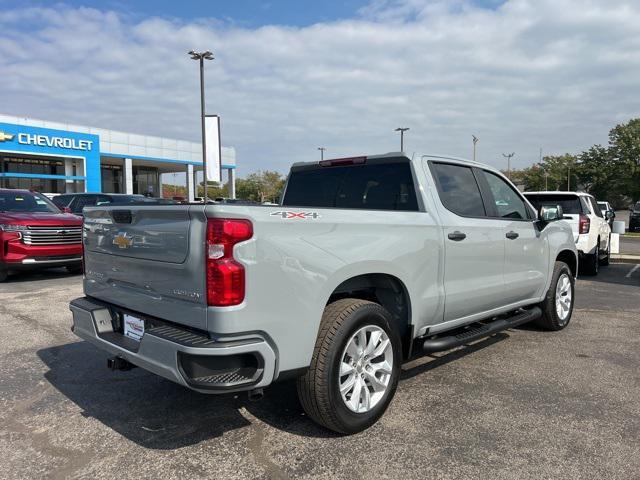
632	271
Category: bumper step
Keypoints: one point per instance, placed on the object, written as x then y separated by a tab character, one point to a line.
485	330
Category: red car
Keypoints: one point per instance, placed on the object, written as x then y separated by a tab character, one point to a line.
34	233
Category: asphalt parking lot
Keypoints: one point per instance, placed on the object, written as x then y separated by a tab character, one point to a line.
522	404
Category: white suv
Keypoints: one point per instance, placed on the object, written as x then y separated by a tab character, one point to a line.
591	230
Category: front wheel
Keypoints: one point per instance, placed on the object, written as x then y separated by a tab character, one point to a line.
3	274
557	306
355	367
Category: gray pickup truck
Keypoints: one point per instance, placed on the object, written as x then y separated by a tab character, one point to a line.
365	263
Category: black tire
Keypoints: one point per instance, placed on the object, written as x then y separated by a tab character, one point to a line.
4	274
74	269
318	388
550	320
604	261
590	263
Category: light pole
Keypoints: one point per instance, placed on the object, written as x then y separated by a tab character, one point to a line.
322	149
402	130
202	56
508	157
475	140
568	177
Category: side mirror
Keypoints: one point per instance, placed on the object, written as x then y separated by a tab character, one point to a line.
609	215
66	210
548	213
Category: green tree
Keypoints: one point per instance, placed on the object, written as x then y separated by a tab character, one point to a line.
262	186
555	172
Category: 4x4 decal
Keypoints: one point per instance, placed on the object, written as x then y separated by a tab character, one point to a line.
287	214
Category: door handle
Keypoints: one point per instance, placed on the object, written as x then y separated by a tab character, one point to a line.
456	236
512	235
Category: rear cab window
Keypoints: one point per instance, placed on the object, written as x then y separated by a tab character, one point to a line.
368	185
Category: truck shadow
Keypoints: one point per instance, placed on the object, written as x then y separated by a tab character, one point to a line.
158	414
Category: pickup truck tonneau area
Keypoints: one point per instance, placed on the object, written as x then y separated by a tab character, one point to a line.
364	260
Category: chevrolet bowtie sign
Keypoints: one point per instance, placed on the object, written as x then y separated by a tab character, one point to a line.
5	136
48	141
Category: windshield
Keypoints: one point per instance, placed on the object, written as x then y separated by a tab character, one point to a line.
29	202
570	203
602	205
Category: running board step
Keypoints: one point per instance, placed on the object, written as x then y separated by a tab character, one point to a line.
485	330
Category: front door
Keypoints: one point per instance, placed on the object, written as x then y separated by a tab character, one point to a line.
526	247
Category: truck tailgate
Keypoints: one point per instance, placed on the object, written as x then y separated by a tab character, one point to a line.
148	259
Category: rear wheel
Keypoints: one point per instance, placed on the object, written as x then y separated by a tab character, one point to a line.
604	261
590	263
557	306
355	367
3	274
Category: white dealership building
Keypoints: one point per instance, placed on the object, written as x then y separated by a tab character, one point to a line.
54	157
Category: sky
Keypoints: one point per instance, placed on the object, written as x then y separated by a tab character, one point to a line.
291	76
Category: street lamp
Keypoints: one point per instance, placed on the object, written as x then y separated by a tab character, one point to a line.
202	56
322	149
402	130
508	157
475	140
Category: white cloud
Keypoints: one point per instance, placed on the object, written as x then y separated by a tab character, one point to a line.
550	73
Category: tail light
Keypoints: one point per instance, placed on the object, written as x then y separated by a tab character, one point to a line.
585	224
225	276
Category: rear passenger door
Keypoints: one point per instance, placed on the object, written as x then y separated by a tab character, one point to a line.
526	247
473	244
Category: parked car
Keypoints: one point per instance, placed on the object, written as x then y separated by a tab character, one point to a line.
591	230
365	261
34	233
634	217
75	202
607	212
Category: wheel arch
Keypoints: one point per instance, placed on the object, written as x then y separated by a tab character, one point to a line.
569	257
387	290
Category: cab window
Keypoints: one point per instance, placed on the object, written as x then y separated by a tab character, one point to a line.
507	202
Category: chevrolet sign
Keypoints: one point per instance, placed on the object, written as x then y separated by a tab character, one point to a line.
53	142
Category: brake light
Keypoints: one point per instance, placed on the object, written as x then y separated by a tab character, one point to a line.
225	276
585	224
339	162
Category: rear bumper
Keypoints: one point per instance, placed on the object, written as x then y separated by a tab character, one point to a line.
186	357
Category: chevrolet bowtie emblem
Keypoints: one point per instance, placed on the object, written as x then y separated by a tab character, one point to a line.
122	241
5	136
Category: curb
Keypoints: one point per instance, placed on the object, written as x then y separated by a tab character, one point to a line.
625	258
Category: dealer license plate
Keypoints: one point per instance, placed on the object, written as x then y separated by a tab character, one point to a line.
133	327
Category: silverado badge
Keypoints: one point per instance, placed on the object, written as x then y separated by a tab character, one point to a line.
122	240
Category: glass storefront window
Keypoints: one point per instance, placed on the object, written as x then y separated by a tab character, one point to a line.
146	181
112	179
40	166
